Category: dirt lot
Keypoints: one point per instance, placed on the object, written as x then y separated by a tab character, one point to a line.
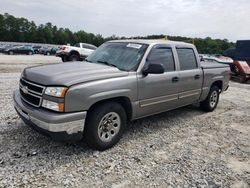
181	148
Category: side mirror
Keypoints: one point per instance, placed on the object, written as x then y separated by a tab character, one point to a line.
201	58
153	69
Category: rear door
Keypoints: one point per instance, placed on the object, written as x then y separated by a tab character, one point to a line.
190	76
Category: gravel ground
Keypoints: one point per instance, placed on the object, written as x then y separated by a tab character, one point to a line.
180	148
15	63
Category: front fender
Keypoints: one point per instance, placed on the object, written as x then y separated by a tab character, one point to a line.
81	97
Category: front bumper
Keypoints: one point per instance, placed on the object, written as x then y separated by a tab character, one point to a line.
62	53
58	126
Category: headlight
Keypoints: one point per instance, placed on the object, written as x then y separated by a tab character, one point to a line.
53	105
56	91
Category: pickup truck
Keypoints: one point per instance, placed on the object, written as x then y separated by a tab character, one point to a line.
78	52
122	80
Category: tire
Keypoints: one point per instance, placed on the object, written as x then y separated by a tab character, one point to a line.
242	78
210	103
74	58
105	125
64	58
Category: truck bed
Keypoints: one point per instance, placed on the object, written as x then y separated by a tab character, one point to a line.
212	65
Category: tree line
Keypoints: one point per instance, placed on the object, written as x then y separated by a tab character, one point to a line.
14	29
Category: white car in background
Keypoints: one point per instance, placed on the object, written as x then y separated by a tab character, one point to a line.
77	52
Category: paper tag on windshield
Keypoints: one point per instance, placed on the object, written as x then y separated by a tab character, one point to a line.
137	46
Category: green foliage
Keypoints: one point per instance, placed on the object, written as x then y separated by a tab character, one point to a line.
22	30
14	29
204	46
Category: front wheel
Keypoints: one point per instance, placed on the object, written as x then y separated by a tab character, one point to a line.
105	125
64	59
74	58
210	103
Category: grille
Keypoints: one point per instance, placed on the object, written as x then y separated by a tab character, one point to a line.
34	88
31	93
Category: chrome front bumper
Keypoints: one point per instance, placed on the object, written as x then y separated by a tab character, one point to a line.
59	126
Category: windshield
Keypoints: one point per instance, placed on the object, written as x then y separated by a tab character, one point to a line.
123	55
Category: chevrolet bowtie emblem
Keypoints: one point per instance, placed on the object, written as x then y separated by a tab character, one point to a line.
25	89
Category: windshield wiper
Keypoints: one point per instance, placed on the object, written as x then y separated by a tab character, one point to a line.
107	63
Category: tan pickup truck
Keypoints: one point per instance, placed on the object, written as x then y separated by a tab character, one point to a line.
121	81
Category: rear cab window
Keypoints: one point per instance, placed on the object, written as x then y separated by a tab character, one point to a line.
162	54
187	58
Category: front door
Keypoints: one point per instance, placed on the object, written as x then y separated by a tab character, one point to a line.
158	92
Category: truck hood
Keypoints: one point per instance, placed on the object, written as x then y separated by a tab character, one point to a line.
67	74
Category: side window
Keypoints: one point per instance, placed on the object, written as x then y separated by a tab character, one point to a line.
77	45
162	55
92	47
86	46
187	58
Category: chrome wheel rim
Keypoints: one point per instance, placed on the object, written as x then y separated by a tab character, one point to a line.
109	126
213	99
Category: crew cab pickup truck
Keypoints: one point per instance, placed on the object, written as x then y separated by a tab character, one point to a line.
78	52
121	81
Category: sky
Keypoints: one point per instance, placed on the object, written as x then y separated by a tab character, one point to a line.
222	19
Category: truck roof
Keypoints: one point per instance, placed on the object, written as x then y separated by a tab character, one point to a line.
156	41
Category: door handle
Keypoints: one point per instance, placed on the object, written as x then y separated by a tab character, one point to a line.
197	76
175	79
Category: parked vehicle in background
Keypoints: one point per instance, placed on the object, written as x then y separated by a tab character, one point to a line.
78	52
42	50
19	50
5	47
120	81
49	51
36	49
241	71
241	57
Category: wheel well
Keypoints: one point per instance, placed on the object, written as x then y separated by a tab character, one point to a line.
219	84
74	53
123	101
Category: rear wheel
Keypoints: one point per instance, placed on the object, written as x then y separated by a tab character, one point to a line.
242	78
210	103
74	57
105	125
